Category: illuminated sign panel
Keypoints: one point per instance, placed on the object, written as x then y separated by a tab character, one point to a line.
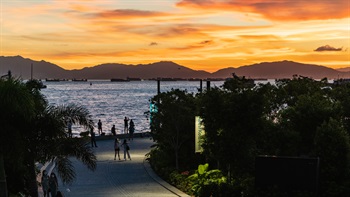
199	132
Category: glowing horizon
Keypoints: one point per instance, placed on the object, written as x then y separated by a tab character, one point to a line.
202	35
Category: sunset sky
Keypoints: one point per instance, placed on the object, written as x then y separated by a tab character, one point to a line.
199	34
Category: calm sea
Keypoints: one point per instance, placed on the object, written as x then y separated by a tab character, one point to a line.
112	101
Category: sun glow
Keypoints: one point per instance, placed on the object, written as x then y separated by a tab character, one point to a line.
203	35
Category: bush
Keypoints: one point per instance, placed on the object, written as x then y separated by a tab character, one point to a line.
209	182
180	181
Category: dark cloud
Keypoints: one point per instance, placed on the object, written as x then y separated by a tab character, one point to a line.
153	44
206	42
328	48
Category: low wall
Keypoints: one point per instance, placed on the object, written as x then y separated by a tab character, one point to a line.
123	136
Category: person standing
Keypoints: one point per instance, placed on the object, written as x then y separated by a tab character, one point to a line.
116	149
131	130
113	130
93	137
99	127
126	126
126	149
45	183
53	184
69	125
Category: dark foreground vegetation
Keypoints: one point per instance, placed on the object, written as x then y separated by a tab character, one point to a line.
33	131
297	117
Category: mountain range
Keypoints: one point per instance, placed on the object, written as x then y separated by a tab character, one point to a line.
21	67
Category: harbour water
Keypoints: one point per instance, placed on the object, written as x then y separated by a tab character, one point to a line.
112	101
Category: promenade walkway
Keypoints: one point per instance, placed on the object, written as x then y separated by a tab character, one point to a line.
114	178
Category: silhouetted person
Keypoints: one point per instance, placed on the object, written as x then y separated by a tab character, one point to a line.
45	183
113	130
53	184
93	137
116	149
126	124
99	127
59	194
131	130
69	125
126	149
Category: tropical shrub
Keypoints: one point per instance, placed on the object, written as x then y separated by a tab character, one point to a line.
207	182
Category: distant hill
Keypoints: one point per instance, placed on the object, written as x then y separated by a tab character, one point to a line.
145	71
282	69
21	67
347	69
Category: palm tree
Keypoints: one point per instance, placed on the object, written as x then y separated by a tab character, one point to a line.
48	139
17	107
38	132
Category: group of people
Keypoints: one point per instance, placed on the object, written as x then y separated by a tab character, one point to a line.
49	184
118	146
128	128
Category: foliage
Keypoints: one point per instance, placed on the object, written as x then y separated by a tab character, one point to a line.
233	117
332	143
34	131
295	117
181	181
207	182
172	126
17	109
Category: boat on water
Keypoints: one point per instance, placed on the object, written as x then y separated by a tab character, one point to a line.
119	80
54	80
165	79
133	79
79	79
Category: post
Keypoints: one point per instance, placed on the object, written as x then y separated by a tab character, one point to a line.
158	86
208	85
31	71
200	85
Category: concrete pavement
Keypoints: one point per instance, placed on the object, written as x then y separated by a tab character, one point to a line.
114	178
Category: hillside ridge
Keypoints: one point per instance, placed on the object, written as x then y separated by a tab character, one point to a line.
21	67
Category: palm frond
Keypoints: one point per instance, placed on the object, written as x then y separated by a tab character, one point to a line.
65	169
76	114
78	148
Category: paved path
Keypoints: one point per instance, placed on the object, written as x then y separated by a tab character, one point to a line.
119	178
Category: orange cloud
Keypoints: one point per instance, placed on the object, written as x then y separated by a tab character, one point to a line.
126	14
280	10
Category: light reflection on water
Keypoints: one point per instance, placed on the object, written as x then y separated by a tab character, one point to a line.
112	101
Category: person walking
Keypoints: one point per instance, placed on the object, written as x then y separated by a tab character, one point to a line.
45	183
53	184
116	149
93	138
113	130
99	127
126	126
126	149
131	130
